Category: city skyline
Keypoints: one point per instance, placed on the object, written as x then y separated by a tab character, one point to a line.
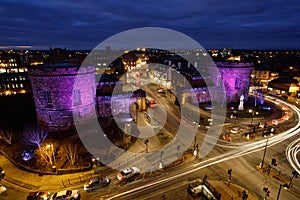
214	25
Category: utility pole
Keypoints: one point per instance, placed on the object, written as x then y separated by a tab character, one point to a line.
263	159
279	191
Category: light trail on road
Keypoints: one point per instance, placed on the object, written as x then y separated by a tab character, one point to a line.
244	149
292	151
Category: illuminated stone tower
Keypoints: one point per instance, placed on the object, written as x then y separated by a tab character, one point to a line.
55	97
236	79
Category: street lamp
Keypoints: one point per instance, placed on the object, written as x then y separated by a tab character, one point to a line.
252	112
234	115
127	126
285	186
195	139
263	159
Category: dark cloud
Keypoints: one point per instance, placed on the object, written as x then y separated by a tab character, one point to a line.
214	24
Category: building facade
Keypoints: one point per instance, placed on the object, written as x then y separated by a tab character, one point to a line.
13	75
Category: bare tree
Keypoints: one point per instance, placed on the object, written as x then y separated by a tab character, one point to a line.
70	150
6	135
47	153
34	136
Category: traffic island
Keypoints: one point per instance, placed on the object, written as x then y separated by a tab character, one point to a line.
217	190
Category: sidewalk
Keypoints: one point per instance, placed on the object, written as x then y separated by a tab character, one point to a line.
271	173
231	191
26	181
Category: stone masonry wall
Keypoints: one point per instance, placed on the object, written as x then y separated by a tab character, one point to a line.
53	94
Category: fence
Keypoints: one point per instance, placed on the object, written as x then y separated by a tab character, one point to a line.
75	181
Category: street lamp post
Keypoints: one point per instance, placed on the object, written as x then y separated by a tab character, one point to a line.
252	112
279	191
127	125
146	143
263	159
195	139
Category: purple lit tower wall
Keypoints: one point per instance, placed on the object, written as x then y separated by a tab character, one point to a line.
236	79
55	96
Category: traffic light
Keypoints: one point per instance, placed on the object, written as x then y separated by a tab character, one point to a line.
146	141
274	162
229	171
245	195
267	191
295	174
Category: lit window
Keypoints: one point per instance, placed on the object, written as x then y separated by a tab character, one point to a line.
21	85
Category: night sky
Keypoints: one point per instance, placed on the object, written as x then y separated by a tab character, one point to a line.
215	24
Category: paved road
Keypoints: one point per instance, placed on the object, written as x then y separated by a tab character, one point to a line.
242	158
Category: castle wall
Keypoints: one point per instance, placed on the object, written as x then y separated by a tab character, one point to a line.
56	97
236	81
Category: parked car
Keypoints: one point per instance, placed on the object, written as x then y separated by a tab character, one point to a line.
66	195
37	195
128	173
2	189
96	183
